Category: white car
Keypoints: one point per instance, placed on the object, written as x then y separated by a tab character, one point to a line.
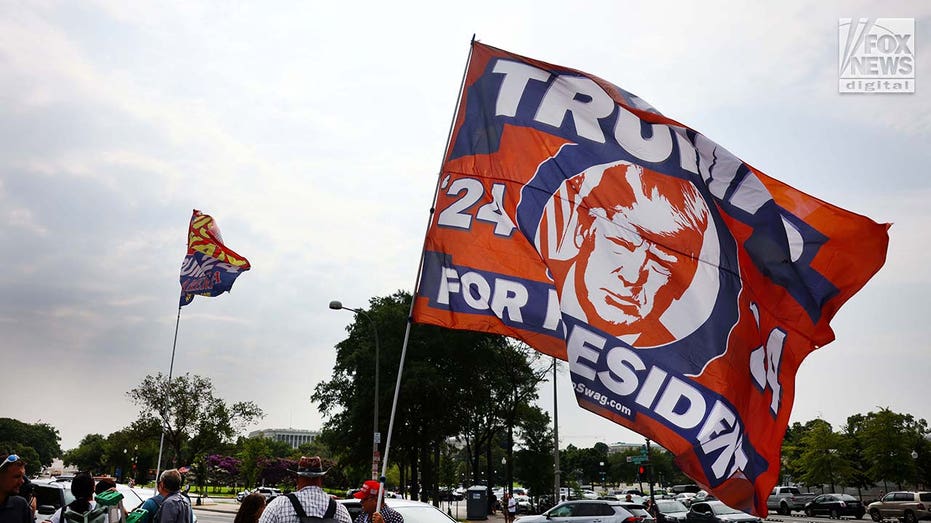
412	511
583	511
51	495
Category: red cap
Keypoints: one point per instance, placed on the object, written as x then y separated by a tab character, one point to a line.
369	488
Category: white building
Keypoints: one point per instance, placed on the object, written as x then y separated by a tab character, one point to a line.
621	447
293	437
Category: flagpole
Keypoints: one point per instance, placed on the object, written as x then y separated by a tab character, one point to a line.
556	472
171	368
407	331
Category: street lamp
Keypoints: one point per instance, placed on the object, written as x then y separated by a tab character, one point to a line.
376	437
604	486
914	455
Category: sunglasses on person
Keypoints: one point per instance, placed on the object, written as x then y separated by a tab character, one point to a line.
12	458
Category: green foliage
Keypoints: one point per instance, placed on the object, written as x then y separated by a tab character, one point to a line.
887	440
194	419
90	454
533	462
440	395
38	443
823	459
872	448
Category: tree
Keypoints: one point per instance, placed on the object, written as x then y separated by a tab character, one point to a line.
888	439
194	420
533	462
90	455
455	383
823	459
254	454
38	443
222	470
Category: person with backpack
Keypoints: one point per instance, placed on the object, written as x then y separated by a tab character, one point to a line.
151	506
310	504
83	509
175	508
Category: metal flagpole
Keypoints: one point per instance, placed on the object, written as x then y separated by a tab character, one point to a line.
407	331
555	436
171	368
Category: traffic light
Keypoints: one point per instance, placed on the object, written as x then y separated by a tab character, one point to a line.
641	470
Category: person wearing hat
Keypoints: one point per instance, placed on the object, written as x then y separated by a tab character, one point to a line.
310	500
369	494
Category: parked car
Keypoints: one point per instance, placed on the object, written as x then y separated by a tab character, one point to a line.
907	506
639	511
522	496
270	493
450	495
52	495
685	498
623	498
679	489
412	511
785	499
583	511
671	511
717	512
835	505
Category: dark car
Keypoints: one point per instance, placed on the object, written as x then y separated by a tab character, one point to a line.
717	512
835	506
671	511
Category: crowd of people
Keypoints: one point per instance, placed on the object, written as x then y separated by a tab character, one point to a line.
308	504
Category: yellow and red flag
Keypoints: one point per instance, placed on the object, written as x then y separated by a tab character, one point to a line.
210	267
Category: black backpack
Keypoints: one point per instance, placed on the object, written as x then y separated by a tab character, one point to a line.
328	516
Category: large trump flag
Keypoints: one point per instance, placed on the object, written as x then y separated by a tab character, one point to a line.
683	286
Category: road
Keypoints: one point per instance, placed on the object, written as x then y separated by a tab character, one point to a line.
458	511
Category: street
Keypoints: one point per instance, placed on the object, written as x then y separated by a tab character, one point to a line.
225	512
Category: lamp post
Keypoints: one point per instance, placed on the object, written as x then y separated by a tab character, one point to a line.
604	486
376	437
914	455
504	468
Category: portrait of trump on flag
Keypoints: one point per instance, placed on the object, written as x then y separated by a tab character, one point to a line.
629	251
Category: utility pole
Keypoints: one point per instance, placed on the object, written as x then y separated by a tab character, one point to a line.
650	473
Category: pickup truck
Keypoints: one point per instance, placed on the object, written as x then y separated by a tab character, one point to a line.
784	500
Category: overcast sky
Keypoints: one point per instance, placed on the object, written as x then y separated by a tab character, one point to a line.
313	132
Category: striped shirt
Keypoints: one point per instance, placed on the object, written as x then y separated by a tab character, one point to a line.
314	500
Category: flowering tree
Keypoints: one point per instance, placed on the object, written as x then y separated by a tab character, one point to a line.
222	470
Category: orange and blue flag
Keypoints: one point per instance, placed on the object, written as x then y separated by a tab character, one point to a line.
683	286
210	267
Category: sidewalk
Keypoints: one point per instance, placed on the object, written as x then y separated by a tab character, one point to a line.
229	506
